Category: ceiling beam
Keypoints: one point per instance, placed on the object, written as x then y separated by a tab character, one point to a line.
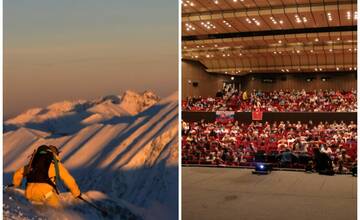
281	9
270	33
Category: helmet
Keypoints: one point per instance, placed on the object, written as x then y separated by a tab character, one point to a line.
54	149
50	148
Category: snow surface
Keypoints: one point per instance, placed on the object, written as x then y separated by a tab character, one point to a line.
122	151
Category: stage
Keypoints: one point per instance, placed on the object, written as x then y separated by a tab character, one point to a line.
229	193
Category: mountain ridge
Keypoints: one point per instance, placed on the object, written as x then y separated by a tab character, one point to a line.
137	153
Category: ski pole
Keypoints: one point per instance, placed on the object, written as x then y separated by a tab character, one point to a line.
94	206
8	185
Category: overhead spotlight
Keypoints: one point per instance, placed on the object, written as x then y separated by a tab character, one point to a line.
232	78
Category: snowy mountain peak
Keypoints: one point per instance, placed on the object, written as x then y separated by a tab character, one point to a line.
65	106
135	103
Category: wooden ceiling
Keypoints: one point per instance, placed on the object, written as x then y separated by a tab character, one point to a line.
243	36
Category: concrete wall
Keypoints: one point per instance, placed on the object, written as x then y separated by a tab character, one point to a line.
338	81
208	84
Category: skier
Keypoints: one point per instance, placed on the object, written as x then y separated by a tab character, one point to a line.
42	174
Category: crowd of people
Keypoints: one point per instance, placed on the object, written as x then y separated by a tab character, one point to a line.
231	99
281	143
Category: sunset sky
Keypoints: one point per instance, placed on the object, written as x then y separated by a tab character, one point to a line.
83	49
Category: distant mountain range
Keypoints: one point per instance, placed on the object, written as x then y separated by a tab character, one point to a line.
123	146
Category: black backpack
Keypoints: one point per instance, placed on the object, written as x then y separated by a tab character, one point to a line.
38	168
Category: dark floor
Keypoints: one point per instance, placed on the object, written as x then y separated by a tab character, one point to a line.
222	193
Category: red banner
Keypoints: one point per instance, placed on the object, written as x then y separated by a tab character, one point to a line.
257	115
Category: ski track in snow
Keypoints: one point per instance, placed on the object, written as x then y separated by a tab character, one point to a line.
122	151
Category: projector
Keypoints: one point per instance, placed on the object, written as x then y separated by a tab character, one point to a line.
262	168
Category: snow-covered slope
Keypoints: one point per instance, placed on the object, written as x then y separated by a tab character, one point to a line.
127	150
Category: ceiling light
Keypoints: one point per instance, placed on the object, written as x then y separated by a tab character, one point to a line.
216	2
279	41
208	25
348	15
189	27
316	39
337	68
329	16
